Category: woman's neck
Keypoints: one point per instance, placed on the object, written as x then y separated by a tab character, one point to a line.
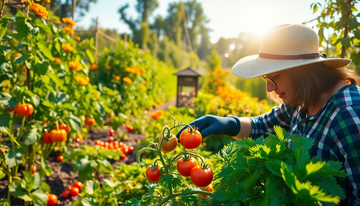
324	97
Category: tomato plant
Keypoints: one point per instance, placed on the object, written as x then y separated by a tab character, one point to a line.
52	199
89	121
58	135
169	143
185	165
23	110
78	184
190	138
201	176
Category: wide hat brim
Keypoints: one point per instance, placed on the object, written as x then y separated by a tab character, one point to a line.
255	66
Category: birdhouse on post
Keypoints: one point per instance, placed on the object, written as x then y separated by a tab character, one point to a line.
187	87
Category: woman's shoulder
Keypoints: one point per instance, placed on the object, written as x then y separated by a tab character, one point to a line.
347	96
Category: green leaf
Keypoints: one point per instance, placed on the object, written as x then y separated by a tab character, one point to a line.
40	198
3	25
91	187
90	201
43	25
5	202
22	58
45	167
90	56
279	132
45	187
104	166
31	136
14	157
55	79
108	185
45	50
274	167
273	194
75	122
2	173
251	180
43	67
5	49
86	173
5	119
16	190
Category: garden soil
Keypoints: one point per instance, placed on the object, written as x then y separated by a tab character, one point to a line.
63	176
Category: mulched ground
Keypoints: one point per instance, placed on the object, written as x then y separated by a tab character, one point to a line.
63	175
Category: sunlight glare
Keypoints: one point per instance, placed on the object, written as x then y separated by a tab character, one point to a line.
260	25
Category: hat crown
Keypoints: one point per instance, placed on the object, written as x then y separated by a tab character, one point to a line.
292	39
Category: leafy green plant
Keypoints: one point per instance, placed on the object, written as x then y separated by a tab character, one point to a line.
90	162
266	171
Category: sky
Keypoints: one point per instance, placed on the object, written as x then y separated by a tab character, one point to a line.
228	18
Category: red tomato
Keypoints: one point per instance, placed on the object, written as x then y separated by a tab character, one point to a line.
78	184
111	139
52	199
74	191
131	149
23	110
58	135
59	158
65	127
208	188
89	121
153	175
111	132
33	169
129	127
65	194
97	142
46	138
201	177
170	144
184	167
190	139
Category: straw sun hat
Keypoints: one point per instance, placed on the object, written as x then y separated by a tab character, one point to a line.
284	47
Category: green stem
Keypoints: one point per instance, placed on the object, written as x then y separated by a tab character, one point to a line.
162	160
21	128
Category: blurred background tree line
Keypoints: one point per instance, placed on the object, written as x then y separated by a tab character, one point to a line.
182	38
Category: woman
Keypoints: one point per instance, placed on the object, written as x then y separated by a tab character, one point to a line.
319	98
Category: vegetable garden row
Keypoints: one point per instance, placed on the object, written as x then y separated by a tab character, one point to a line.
54	94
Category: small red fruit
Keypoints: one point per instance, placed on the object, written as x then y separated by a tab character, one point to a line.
111	139
52	199
59	158
33	169
78	185
111	132
65	194
74	191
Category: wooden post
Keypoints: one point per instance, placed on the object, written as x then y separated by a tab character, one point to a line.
73	9
96	39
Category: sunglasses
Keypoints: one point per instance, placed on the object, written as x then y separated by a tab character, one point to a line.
272	79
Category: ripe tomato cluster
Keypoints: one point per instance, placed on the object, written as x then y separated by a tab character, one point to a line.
116	146
72	191
187	166
128	127
56	135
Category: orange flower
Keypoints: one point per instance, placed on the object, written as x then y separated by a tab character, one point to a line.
75	66
117	78
39	10
66	20
47	1
69	30
82	80
108	67
134	70
67	47
94	67
18	54
57	60
77	38
96	96
142	87
157	115
127	80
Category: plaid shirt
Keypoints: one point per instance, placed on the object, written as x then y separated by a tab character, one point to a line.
335	128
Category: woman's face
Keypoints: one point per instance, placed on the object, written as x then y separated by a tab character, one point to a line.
283	88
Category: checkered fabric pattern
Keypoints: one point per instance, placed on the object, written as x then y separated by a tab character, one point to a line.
335	128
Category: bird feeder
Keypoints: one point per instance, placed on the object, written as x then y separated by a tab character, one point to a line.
187	87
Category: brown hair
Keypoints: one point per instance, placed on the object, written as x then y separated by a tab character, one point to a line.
312	80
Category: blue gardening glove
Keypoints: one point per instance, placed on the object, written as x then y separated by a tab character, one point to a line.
211	124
